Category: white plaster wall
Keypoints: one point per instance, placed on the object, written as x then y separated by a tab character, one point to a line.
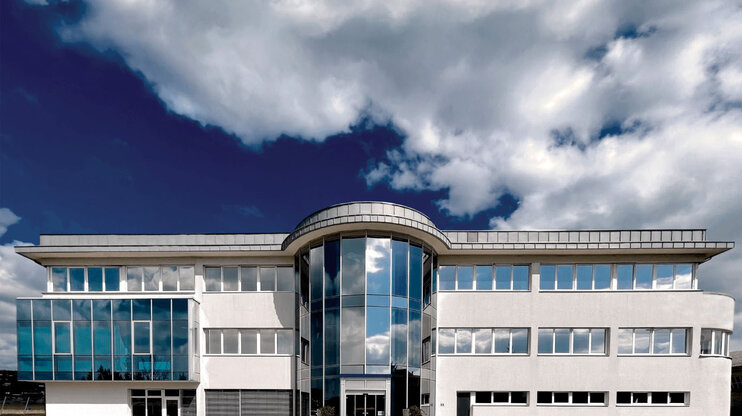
97	398
244	372
706	378
247	310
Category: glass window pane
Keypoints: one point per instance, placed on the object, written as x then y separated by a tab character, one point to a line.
416	272
121	309
180	337
684	276
80	309
267	341
661	343
641	341
284	341
602	276
23	309
677	398
24	338
230	279
447	277
141	309
678	341
102	338
378	265
249	341
42	310
717	342
625	276
285	279
584	277
665	275
581	339
564	277
643	276
170	278
134	279
214	341
597	345
187	278
353	272
267	279
151	277
706	339
77	278
101	310
95	279
59	279
463	341
446	341
520	340
141	337
561	341
519	397
377	336
400	253
521	277
399	337
82	339
213	277
122	337
484	277
502	278
659	397
545	341
62	367
62	338
464	277
62	310
483	341
231	341
249	279
502	341
547	279
112	279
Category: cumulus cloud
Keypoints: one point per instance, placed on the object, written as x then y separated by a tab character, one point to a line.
18	277
591	114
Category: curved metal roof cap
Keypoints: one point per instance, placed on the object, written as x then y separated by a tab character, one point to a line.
366	212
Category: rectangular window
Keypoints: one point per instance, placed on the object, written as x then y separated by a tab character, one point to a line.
625	276
249	279
59	279
652	398
643	277
484	277
573	398
249	341
230	339
652	341
95	279
142	337
483	341
576	341
267	279
230	279
464	278
463	341
447	277
715	342
521	277
503	278
547	278
446	341
112	279
565	277
267	341
169	278
213	278
500	398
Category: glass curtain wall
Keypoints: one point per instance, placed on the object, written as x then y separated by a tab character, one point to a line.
103	339
366	299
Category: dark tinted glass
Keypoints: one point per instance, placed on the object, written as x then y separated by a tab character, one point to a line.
77	278
95	279
81	309
42	310
161	309
122	309
23	310
332	268
180	308
112	278
141	309
42	338
101	310
62	309
416	276
399	267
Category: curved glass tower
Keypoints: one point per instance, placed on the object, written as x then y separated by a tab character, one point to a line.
363	318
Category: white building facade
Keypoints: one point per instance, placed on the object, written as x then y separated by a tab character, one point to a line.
369	308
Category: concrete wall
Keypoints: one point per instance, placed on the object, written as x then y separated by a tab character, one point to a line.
97	398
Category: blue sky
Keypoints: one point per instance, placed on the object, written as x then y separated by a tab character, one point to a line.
131	116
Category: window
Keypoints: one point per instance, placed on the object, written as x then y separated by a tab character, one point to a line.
575	341
79	279
160	278
152	402
426	350
627	276
653	398
484	277
249	278
249	341
501	397
715	342
483	341
652	341
572	398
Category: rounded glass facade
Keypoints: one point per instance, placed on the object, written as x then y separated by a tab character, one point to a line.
363	317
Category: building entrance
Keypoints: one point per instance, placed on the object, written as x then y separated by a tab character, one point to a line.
366	404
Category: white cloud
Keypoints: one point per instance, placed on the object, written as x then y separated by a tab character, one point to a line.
492	97
18	277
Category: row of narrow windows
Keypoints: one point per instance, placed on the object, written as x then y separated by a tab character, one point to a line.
575	398
450	277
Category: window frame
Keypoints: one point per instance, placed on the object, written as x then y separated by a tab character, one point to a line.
686	353
606	337
258	284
